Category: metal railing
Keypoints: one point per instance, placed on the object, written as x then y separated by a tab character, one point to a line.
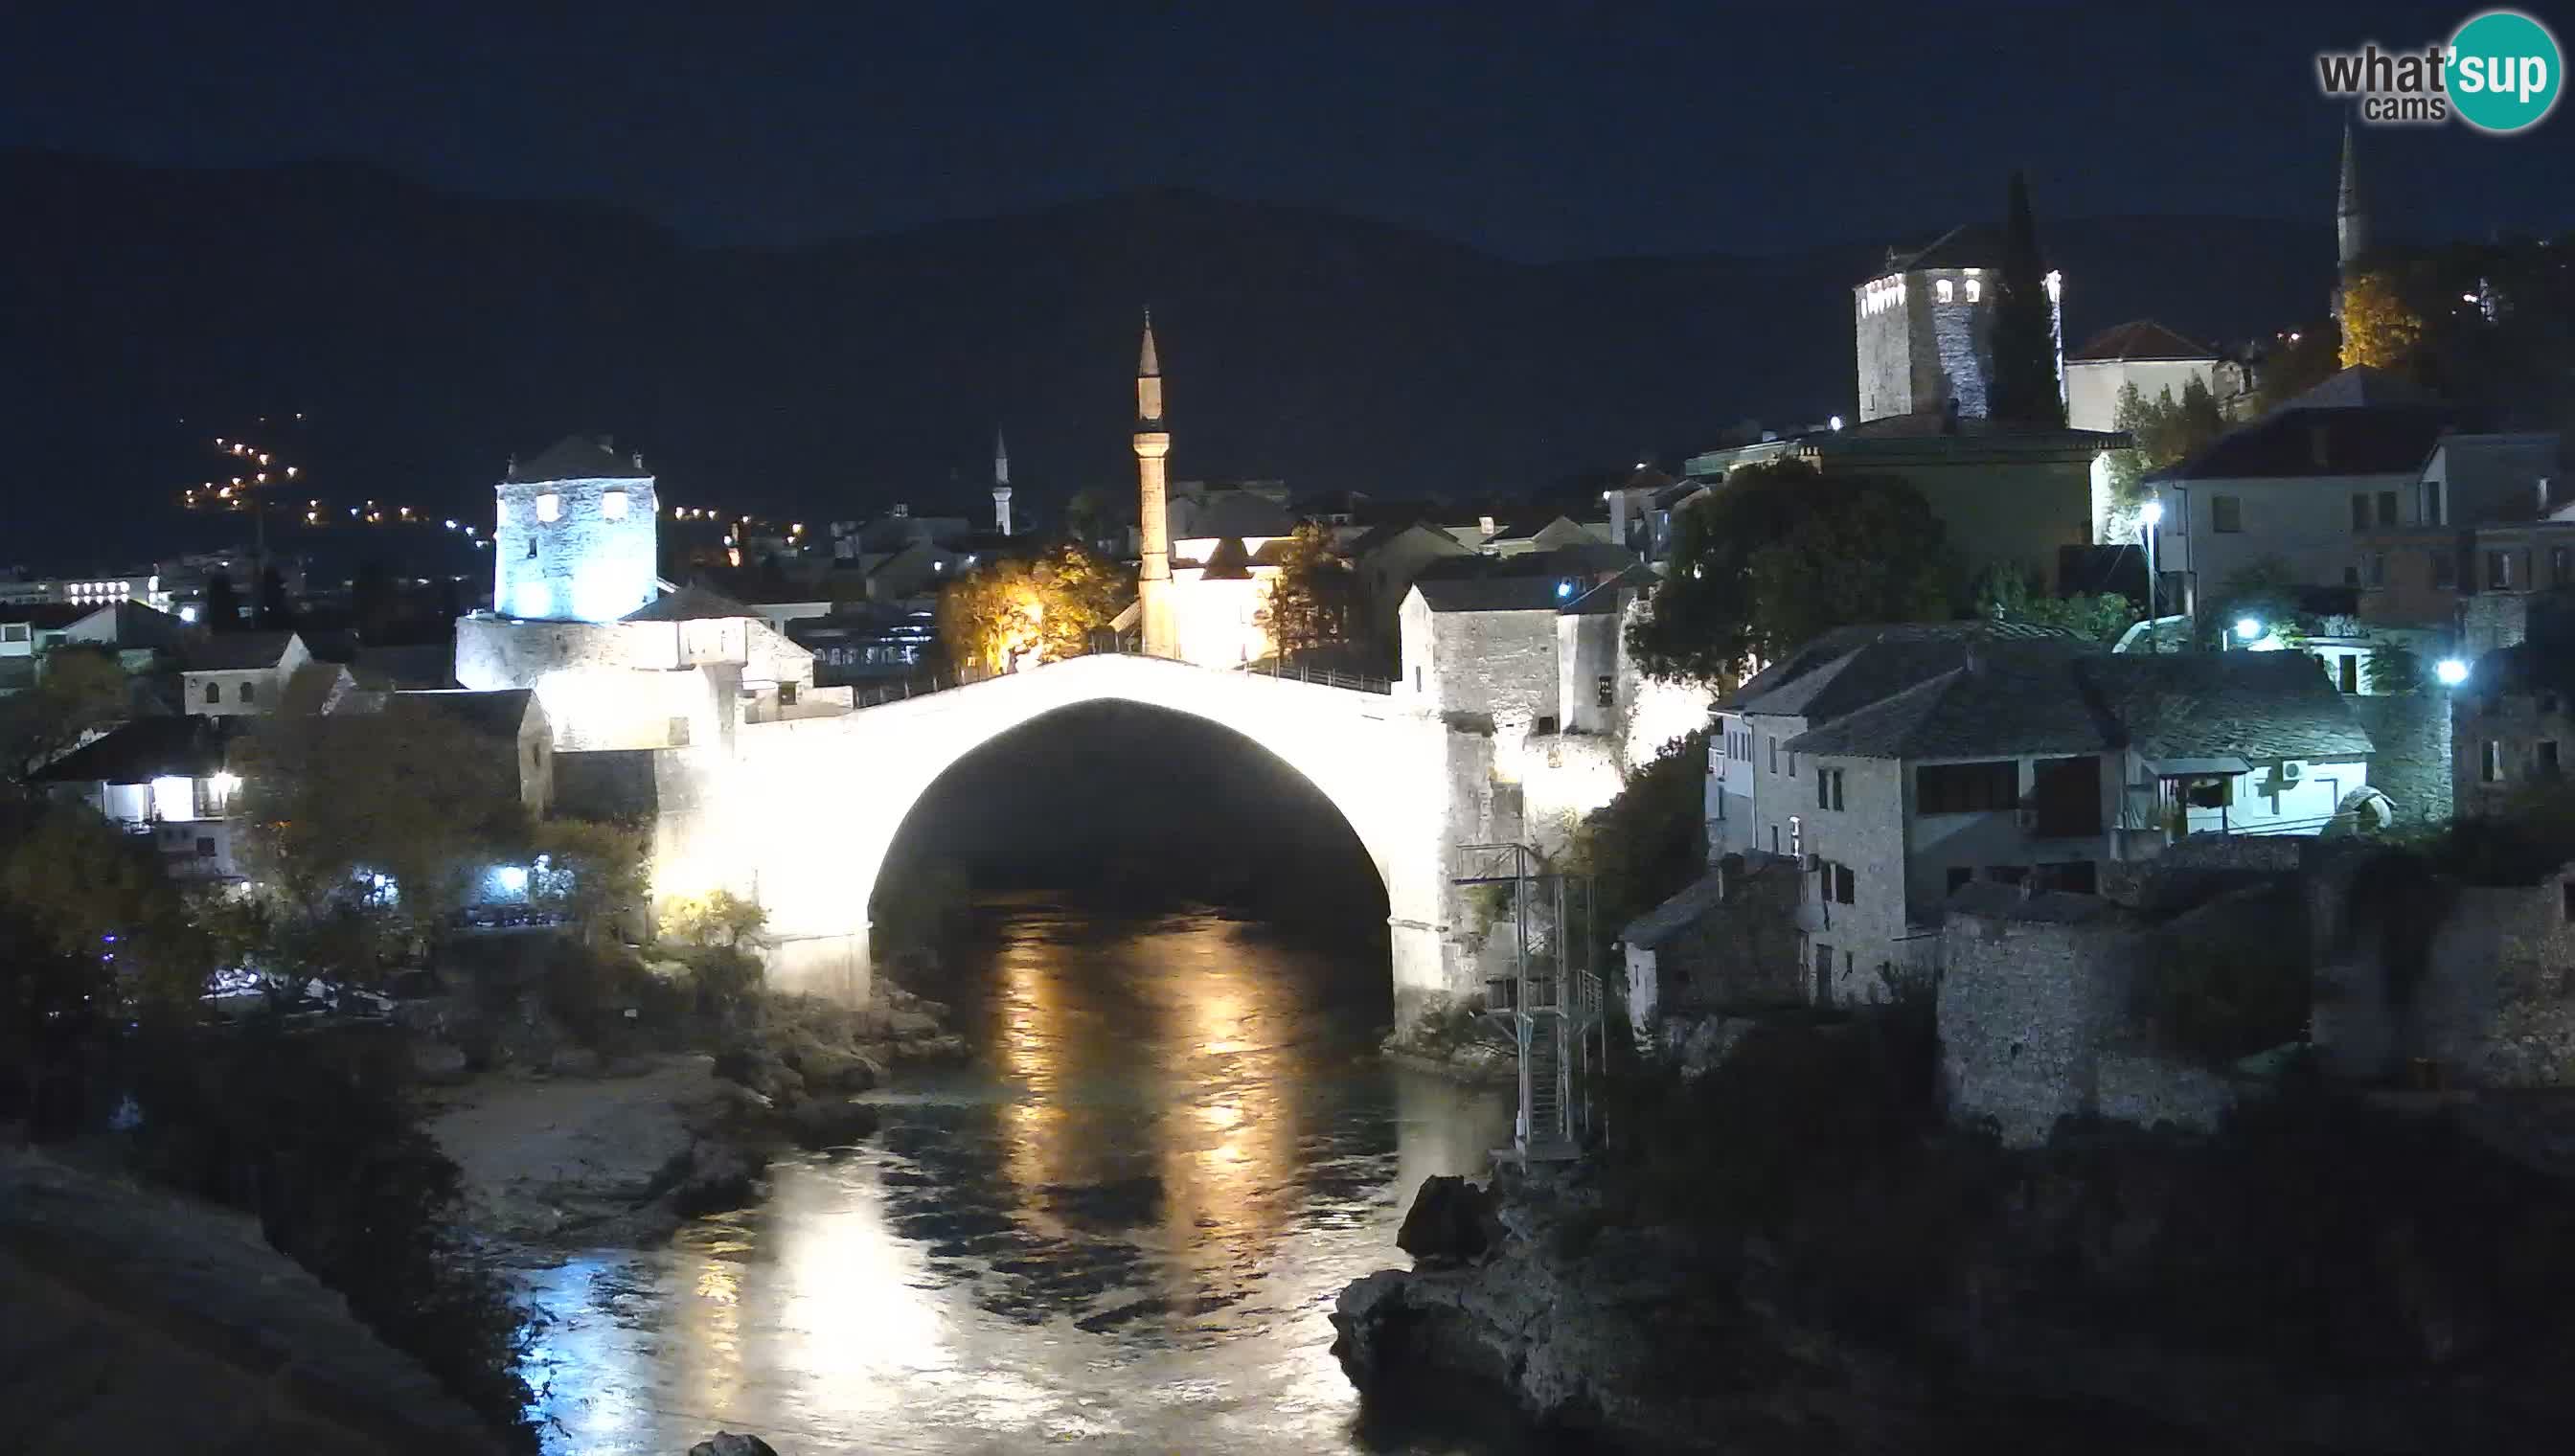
1320	676
946	681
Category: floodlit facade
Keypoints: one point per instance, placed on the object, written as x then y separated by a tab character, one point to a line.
575	536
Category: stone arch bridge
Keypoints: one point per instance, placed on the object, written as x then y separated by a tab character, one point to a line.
802	813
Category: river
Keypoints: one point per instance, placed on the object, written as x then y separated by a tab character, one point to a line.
1122	1226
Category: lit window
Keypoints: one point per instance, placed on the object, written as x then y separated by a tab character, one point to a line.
612	506
1976	289
1945	289
550	507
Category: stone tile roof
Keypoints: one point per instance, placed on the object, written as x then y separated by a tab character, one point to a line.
2013	700
582	458
689	603
1497	593
1970	245
1701	896
1850	668
1228	562
1239	513
145	750
501	712
235	652
2143	339
2295	440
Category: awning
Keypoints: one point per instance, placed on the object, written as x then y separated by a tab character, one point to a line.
2196	767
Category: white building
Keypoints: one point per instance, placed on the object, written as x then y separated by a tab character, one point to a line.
165	778
2141	352
1896	771
235	673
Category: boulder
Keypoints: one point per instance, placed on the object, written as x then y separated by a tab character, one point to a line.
908	1025
827	1069
725	1443
829	1123
761	1069
440	1064
1452	1222
720	1176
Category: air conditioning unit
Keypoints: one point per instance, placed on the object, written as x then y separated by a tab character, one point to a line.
2291	770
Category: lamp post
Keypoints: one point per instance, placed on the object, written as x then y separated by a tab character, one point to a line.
2153	516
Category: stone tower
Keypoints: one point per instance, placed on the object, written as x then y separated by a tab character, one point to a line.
577	535
1152	442
1000	484
1923	327
2351	222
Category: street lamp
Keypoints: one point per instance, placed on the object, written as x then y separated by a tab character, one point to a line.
2248	629
2451	672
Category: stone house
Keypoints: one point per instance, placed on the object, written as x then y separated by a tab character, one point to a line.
165	778
1386	559
2030	764
236	673
509	726
2513	724
1726	942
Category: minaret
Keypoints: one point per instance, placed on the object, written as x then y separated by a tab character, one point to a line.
1000	485
1152	442
2351	221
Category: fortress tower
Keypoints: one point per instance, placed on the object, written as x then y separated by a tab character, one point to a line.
1924	325
577	535
1161	637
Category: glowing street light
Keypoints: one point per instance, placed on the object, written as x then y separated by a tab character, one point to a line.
2451	672
2248	629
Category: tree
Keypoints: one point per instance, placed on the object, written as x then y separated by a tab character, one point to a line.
2392	668
368	831
2379	328
2296	364
274	612
371	601
1309	599
2164	432
590	872
716	919
1087	517
2026	388
78	692
221	610
1012	613
1780	552
2005	595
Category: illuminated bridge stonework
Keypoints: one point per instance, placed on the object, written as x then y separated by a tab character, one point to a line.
802	813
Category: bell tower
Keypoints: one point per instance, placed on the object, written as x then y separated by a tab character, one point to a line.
1161	637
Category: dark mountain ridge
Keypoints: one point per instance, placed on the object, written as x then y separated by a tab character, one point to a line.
429	336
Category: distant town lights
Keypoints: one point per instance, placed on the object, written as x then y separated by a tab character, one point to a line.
2451	672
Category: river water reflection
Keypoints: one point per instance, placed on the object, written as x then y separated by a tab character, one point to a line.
1122	1226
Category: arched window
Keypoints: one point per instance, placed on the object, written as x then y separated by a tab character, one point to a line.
213	693
1945	290
247	690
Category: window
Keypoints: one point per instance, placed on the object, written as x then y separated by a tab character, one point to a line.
1955	789
2498	570
2433	513
2561	565
248	691
550	507
2445	571
786	695
1416	680
1775	839
1945	289
1976	289
1828	788
2351	576
13	632
213	693
1796	837
1842	883
2065	796
2225	514
2490	763
1959	874
612	506
2387	508
2378	569
2348	666
1606	691
1824	974
677	734
1543	725
2214	791
204	848
2359	511
1774	754
2566	899
2544	759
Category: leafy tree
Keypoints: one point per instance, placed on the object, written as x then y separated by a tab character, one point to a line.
2005	595
222	605
2026	388
1013	611
2298	364
592	870
80	690
330	803
1310	599
1779	553
2392	668
2165	431
1650	840
2379	328
716	919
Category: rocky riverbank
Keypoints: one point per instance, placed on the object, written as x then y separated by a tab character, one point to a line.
618	1153
2131	1293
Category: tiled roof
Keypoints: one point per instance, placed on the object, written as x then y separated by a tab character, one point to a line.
1851	666
689	603
1970	245
1490	593
235	652
2361	386
1609	595
2139	338
2293	441
2014	699
1239	512
1228	562
145	750
500	711
581	458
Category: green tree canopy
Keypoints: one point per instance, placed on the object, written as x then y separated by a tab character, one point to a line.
1308	605
2164	432
78	691
1044	608
2026	388
2005	595
1781	553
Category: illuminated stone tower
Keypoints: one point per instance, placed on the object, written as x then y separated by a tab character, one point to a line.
2351	222
1152	442
576	534
1000	485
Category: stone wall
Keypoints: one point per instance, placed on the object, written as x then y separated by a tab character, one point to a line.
2411	762
2496	1004
2026	1007
581	565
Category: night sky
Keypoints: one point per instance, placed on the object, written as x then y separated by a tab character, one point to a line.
1537	131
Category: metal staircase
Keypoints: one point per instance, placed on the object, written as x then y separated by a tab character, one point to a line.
1547	997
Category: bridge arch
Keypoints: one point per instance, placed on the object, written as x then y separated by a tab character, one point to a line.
812	806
